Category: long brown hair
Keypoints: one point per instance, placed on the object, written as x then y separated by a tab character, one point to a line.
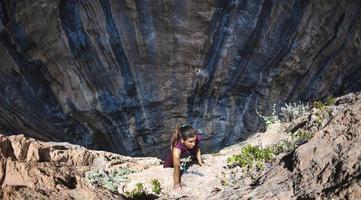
182	131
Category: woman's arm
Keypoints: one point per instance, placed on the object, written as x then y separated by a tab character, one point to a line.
176	163
198	154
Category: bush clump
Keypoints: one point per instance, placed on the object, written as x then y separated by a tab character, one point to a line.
251	157
138	193
328	101
254	157
282	147
156	186
109	179
273	118
302	135
292	111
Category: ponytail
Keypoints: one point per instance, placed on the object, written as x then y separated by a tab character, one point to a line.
182	131
175	137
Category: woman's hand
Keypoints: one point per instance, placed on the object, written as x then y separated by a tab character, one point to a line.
199	158
178	187
179	190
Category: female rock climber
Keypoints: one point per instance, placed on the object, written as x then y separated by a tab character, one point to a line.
184	144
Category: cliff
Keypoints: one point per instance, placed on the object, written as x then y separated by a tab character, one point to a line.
119	75
325	163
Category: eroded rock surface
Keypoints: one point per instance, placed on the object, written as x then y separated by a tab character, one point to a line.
30	169
326	167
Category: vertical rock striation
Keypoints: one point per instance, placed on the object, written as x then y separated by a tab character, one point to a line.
119	75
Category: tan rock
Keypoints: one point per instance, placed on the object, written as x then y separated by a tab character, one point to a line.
31	169
20	146
326	167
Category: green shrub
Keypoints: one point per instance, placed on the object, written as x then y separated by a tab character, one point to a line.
282	147
291	111
302	135
109	179
250	157
319	105
254	159
138	193
156	186
299	137
319	118
270	119
260	165
330	100
224	180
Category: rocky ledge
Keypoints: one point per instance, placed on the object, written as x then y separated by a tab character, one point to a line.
324	165
30	169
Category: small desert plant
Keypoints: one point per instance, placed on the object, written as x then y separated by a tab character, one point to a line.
270	119
108	179
228	178
253	161
319	118
293	110
250	157
283	146
319	105
297	138
328	101
301	136
156	186
223	179
137	193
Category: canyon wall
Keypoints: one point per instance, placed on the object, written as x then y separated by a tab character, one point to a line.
120	75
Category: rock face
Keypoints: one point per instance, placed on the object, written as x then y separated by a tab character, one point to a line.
30	169
326	167
119	75
35	170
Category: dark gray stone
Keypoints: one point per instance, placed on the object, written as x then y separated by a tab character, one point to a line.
119	75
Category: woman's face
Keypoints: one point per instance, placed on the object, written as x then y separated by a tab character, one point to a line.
190	142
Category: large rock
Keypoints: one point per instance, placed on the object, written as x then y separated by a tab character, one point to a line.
31	169
326	167
119	75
